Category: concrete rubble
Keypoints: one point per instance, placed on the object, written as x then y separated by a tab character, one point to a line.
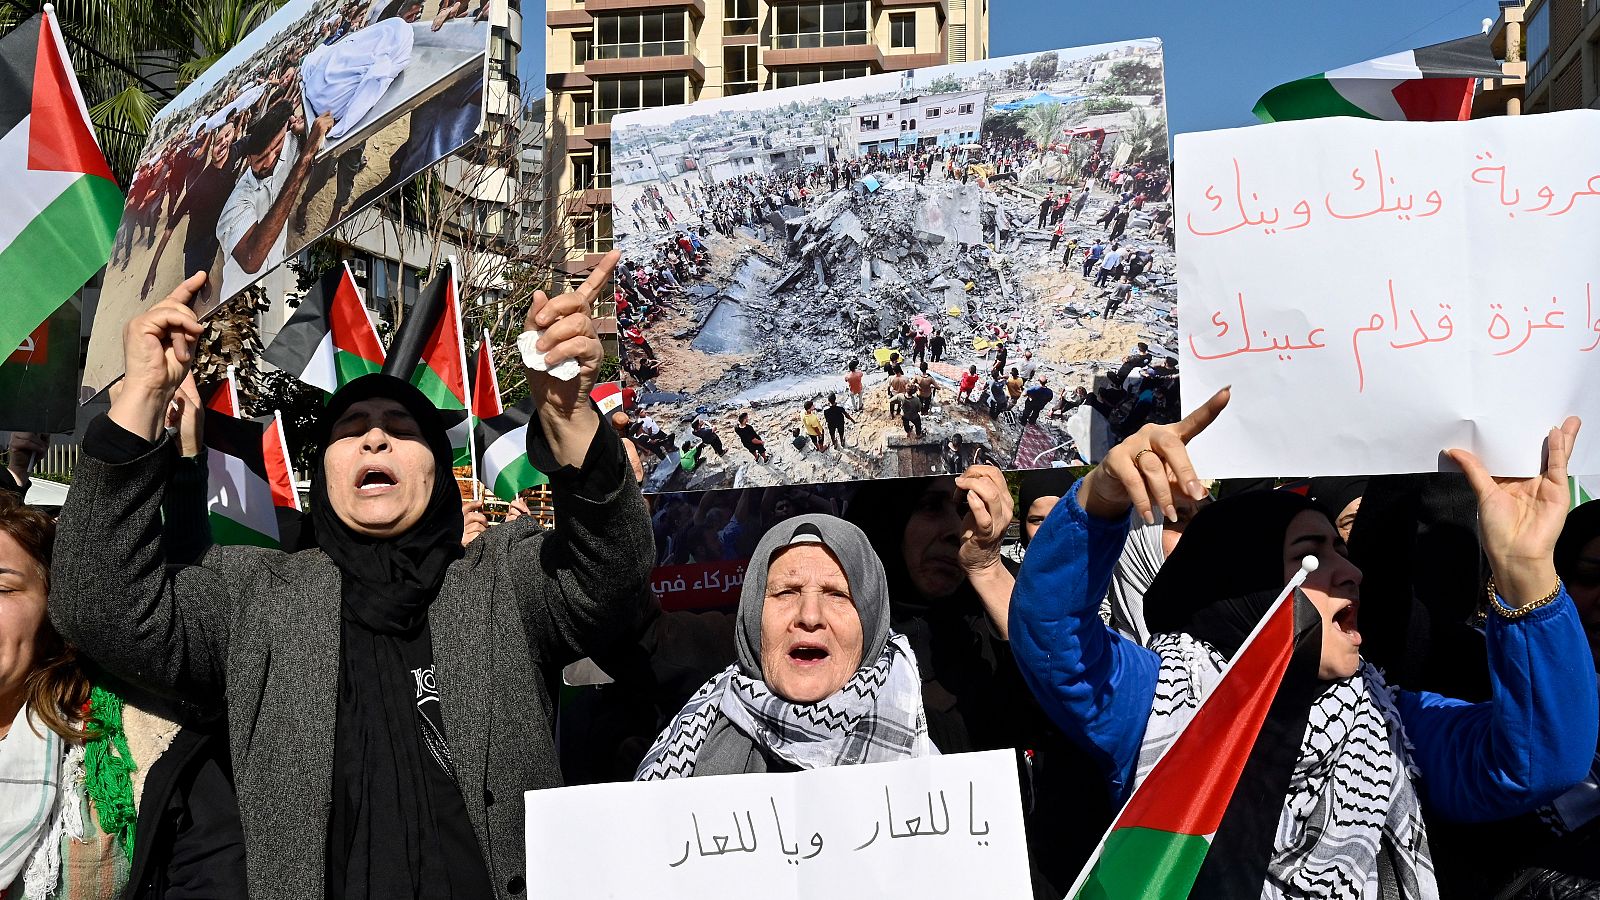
788	304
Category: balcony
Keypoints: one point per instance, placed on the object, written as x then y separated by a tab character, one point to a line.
821	50
676	64
697	7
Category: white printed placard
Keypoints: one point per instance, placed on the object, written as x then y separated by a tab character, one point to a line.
940	827
1378	292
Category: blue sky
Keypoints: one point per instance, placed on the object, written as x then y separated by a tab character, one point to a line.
1220	56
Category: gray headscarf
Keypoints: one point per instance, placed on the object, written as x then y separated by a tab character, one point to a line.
735	724
869	587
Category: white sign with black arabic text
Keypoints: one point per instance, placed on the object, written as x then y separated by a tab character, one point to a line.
941	827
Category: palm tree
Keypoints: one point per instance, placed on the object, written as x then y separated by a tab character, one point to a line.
1044	123
1146	136
133	56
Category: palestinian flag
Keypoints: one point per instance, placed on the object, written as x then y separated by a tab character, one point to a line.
1156	846
503	463
485	383
240	497
62	202
430	351
223	398
329	341
280	471
1579	491
1429	84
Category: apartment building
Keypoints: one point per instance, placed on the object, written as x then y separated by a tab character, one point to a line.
1551	50
605	57
938	120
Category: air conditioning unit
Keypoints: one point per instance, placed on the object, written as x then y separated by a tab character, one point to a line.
358	268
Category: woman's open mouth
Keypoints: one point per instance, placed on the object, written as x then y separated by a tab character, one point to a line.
808	654
1345	621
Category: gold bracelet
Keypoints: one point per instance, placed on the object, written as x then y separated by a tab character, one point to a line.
1506	612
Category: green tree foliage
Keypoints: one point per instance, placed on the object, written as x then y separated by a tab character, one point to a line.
1043	67
945	84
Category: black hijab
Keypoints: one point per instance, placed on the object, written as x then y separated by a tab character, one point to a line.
395	829
1583	526
1217	584
1053	482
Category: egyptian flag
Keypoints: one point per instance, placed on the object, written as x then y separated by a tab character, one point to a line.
611	396
329	341
1429	84
240	494
1157	845
430	351
62	203
502	443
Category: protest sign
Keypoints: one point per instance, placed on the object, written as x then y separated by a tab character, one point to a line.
1377	292
709	585
940	827
320	110
952	217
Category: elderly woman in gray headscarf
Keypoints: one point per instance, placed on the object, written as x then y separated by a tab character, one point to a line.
820	681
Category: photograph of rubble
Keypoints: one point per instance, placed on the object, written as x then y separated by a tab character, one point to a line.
901	274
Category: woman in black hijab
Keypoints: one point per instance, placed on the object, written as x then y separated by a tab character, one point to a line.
395	797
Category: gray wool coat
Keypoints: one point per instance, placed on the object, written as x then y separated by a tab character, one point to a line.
257	632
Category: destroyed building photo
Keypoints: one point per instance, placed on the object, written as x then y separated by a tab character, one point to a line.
984	250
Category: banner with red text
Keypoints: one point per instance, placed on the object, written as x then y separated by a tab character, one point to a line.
1377	292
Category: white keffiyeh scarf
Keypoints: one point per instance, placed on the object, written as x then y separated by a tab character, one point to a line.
1351	796
876	717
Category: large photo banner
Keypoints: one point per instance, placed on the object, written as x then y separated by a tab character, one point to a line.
1378	292
934	828
867	277
321	110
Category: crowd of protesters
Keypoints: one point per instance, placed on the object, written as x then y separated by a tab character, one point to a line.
358	714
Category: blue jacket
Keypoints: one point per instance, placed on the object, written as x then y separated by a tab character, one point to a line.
1479	761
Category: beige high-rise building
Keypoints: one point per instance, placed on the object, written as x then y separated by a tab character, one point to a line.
604	57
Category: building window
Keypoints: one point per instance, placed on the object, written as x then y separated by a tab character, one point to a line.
739	74
1537	35
582	47
967	109
602	165
841	23
902	30
582	110
636	36
592	234
869	123
795	77
622	95
931	112
582	171
739	17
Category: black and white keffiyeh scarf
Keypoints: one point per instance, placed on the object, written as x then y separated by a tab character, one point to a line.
876	717
1351	797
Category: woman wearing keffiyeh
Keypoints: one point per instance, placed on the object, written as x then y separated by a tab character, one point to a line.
1330	800
821	679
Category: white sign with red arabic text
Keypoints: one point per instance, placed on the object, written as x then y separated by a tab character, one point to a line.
1377	292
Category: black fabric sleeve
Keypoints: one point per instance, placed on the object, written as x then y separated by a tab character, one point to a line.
186	525
603	465
109	442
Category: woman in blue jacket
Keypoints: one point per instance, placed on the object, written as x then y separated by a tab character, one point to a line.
1329	803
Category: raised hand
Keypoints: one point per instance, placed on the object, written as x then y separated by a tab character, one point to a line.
157	352
989	509
1520	519
568	330
1149	468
